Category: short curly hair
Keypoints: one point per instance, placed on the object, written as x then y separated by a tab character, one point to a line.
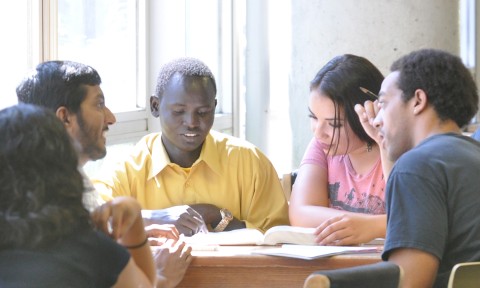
40	185
185	66
449	85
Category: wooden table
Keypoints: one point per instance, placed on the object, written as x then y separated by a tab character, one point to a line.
235	266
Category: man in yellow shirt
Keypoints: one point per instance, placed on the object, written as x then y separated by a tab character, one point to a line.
189	175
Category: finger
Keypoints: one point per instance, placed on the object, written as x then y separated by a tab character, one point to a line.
349	240
189	258
332	232
188	248
362	115
327	223
192	222
183	247
101	216
192	212
370	111
184	230
156	241
115	222
174	230
332	237
376	106
157	231
186	252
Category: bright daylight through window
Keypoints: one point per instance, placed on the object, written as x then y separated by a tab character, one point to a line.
103	34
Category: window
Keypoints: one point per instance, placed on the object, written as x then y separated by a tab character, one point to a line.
108	35
19	26
203	29
127	41
111	36
103	34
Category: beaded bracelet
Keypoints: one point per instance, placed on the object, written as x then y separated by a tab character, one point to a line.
138	245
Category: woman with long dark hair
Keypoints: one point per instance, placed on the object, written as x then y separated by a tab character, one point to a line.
340	184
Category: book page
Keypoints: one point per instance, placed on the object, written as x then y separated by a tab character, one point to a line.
249	236
309	252
246	236
290	235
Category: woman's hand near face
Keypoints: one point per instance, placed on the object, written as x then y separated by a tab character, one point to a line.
367	114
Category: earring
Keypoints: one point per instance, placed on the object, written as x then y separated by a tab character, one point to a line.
369	147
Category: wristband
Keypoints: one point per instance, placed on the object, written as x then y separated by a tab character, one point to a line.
138	245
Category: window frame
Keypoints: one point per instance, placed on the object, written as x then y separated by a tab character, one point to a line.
133	124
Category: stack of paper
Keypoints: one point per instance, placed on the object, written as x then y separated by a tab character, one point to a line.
309	252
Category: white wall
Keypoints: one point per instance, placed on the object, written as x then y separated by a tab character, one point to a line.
380	30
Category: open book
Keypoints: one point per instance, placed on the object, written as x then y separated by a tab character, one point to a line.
249	236
309	252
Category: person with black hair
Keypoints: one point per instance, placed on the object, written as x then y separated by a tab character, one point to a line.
340	183
432	195
190	175
72	91
48	238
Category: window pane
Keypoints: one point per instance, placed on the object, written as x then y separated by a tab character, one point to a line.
19	27
102	34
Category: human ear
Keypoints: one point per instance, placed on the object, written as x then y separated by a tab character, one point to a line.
155	106
420	101
64	115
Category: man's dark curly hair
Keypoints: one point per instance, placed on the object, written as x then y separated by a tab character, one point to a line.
188	68
40	185
449	86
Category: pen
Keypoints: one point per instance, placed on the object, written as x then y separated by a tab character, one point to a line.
368	92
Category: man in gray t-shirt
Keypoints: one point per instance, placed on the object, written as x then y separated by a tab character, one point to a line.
433	190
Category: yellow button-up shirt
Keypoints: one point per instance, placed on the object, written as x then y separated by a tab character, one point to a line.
230	173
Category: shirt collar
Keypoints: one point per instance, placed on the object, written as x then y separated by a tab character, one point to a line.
209	155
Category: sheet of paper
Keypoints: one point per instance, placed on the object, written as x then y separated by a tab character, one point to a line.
234	237
309	252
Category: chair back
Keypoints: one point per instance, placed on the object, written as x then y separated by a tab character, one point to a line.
465	274
379	275
287	181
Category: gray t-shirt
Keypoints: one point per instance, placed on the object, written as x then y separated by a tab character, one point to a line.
433	201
